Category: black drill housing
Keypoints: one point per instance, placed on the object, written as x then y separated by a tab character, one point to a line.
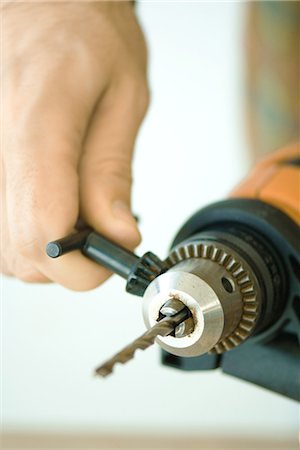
270	357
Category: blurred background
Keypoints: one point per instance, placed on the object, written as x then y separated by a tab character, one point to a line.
192	149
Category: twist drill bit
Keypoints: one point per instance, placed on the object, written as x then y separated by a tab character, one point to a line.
163	328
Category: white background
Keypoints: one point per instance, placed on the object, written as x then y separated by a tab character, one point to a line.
190	152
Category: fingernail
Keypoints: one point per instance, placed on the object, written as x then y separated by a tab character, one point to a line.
122	211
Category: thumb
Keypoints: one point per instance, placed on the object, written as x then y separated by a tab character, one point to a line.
105	200
105	171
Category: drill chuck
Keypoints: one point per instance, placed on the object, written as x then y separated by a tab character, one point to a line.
225	283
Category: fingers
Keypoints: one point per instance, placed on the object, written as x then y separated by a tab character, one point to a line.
42	205
105	167
42	150
53	79
12	262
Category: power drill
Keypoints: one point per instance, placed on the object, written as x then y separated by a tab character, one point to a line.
227	295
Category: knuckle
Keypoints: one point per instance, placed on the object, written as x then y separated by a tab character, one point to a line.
26	246
143	98
29	275
23	270
137	93
116	168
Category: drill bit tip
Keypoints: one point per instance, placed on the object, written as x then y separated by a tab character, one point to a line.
103	371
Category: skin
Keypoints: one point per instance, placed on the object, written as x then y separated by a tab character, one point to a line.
74	93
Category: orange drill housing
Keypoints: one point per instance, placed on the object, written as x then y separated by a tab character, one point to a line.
275	180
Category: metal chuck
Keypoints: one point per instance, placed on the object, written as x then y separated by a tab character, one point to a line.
219	288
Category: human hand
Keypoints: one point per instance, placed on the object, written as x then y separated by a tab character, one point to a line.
74	94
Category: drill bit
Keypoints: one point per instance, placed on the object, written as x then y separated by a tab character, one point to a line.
162	328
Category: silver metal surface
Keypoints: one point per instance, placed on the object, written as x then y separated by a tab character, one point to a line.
172	307
161	328
218	287
201	300
185	328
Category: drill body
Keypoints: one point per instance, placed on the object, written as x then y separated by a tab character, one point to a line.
228	293
247	249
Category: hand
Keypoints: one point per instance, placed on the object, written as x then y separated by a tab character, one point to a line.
74	95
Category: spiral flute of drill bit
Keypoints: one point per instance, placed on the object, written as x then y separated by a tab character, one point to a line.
163	328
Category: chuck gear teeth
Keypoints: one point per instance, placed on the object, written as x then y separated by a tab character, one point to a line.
243	282
148	267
